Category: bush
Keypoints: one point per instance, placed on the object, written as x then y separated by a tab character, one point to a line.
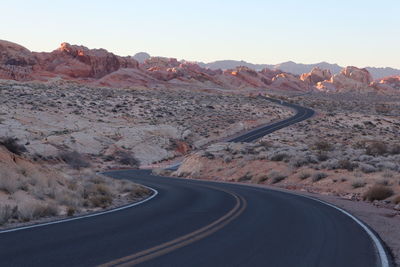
396	200
378	192
70	211
126	158
346	165
358	184
101	201
74	159
395	150
259	178
376	148
245	177
319	176
367	168
6	213
323	146
12	145
276	177
304	175
279	156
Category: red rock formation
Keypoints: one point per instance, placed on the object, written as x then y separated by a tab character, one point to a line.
315	76
80	62
16	62
389	83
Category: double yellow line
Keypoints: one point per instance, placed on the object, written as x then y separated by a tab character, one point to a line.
164	248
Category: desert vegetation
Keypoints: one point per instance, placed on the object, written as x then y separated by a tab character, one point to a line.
30	191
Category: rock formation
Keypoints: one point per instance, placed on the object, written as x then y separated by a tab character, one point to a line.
315	76
16	62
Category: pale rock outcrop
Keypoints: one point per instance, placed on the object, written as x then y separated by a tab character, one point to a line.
246	77
349	79
390	83
286	81
315	76
16	62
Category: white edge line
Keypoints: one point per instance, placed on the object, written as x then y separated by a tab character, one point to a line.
155	193
378	245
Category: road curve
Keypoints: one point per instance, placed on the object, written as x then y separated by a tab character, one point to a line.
199	223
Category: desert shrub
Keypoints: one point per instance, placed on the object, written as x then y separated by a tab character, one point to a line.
367	168
376	148
12	145
257	179
74	159
245	177
322	156
396	200
297	162
11	182
126	158
304	175
319	176
387	165
358	184
279	156
6	213
276	177
346	165
378	192
100	201
395	150
33	210
322	146
71	211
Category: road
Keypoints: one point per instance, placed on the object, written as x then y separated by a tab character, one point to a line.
199	223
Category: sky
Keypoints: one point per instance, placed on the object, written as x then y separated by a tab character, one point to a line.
348	32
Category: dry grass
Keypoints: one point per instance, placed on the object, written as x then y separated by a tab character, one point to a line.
378	192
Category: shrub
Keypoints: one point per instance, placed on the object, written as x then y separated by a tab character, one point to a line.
259	178
100	201
395	150
245	177
358	184
376	148
74	159
6	213
346	165
378	192
71	211
126	158
276	176
279	156
323	145
304	175
12	145
319	176
367	168
396	200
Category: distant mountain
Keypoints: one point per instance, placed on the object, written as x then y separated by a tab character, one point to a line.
141	56
296	68
231	64
378	73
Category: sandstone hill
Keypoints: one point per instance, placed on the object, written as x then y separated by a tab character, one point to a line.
99	67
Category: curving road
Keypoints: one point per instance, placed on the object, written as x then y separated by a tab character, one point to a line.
199	223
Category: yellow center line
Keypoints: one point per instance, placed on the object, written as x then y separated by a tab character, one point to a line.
184	240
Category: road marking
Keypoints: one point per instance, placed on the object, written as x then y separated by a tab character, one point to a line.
155	193
184	240
377	243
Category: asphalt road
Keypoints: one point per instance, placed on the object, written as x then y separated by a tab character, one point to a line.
198	223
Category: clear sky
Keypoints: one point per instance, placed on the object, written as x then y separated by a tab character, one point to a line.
347	32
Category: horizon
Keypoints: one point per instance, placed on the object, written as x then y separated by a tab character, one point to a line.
255	31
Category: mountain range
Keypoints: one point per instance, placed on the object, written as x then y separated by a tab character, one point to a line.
289	66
